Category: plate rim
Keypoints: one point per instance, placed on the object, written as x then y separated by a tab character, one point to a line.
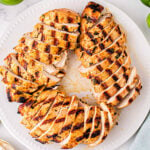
15	21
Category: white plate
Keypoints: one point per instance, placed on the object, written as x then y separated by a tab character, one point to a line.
131	117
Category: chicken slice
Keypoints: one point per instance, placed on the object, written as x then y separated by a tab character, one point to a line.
90	15
113	89
48	32
47	121
76	135
88	123
112	114
114	77
123	92
96	126
104	129
105	40
87	39
97	29
60	16
11	78
63	133
99	67
56	126
131	96
17	96
69	27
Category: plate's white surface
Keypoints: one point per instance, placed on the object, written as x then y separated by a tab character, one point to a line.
131	117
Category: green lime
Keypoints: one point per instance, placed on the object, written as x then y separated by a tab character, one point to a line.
10	2
146	2
148	20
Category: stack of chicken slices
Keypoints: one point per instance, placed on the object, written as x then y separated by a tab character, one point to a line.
32	75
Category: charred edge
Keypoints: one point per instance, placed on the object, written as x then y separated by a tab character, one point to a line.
130	100
78	126
9	95
119	98
40	141
79	111
104	137
52	136
95	134
66	103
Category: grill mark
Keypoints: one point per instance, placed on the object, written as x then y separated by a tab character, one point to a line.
130	100
78	126
22	99
70	20
104	33
34	44
66	37
25	48
47	48
52	136
95	133
104	85
115	78
9	95
110	50
100	26
38	55
59	50
99	68
86	133
53	33
89	52
119	98
50	58
65	128
42	37
60	120
118	29
37	74
56	18
104	137
118	63
109	60
98	118
52	24
16	79
97	80
64	28
56	41
22	40
57	104
101	45
72	112
117	86
89	120
138	89
68	45
18	71
38	118
49	120
110	38
126	77
78	139
90	35
95	7
107	125
128	89
109	71
106	95
79	111
66	103
25	64
124	69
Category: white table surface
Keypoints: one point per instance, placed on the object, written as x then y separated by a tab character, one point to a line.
134	8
